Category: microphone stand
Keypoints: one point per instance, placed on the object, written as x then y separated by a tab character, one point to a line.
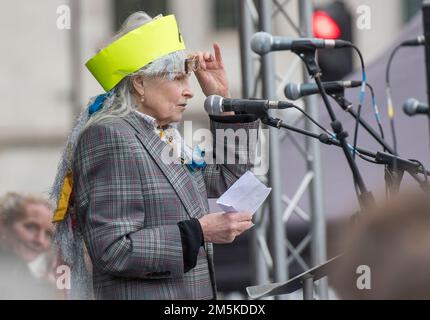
346	106
383	158
307	54
393	174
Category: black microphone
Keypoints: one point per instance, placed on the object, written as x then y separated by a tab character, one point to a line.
263	42
215	105
294	91
418	41
412	107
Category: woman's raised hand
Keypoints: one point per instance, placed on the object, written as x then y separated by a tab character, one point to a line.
211	73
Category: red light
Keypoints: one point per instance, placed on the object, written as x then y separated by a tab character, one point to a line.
324	26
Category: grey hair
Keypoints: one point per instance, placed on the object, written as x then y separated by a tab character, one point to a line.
13	205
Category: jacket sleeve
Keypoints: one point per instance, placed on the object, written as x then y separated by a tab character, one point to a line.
110	210
232	154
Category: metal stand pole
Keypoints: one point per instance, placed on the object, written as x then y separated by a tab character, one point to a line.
308	288
318	226
277	228
260	271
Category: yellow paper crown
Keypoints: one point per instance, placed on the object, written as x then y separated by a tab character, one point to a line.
135	50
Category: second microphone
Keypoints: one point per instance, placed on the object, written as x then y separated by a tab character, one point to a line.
294	91
216	105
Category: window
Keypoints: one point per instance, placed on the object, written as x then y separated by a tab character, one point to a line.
226	14
123	8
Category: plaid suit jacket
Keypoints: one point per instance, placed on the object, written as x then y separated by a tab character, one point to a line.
128	203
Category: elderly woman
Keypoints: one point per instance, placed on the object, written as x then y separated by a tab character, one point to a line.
145	220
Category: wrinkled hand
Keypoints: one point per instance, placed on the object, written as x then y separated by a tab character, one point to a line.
221	227
211	74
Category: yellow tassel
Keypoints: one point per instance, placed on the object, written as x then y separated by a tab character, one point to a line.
63	202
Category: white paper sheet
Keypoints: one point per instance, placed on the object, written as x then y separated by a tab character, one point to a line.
246	194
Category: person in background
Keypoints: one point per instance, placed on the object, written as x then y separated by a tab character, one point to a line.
387	252
25	236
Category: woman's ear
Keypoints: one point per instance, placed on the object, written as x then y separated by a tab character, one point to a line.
138	85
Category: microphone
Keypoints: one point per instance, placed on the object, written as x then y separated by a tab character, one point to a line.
263	42
215	105
294	91
412	107
418	41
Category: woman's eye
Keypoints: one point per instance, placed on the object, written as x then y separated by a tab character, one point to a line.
31	227
182	76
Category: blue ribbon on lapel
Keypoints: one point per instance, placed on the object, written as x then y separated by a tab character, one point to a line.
198	159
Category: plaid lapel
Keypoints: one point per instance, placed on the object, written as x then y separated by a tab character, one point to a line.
177	174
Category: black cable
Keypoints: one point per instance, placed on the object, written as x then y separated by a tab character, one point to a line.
422	167
393	133
356	129
361	100
387	69
381	130
329	133
390	107
311	119
376	111
365	158
361	61
389	98
424	185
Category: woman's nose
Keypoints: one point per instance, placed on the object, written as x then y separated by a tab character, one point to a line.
42	240
187	92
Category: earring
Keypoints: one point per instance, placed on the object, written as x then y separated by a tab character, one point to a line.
142	98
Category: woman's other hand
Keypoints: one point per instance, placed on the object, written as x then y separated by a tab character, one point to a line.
221	227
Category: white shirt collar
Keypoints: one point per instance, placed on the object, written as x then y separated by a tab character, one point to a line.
151	121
